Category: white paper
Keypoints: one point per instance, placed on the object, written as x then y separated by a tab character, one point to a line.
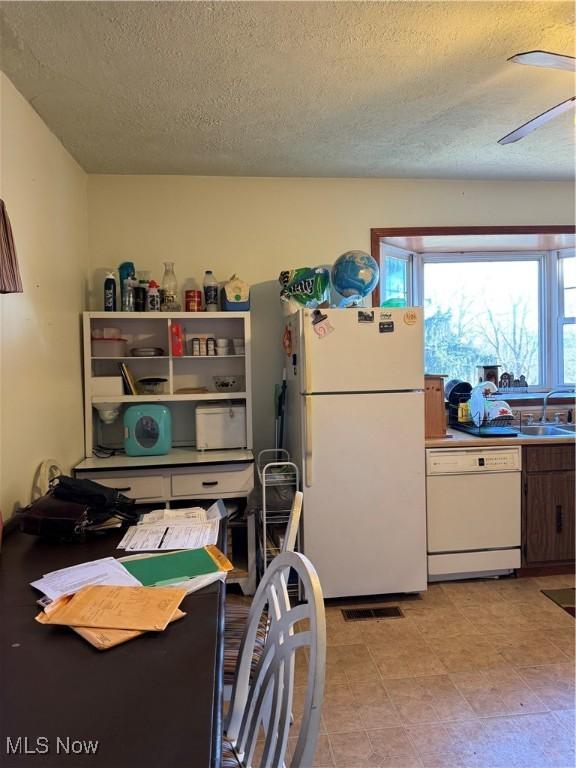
146	538
67	581
172	516
191	536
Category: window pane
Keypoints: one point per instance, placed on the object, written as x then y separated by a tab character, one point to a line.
569	275
479	313
394	283
569	346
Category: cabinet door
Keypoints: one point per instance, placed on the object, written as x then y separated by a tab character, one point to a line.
549	517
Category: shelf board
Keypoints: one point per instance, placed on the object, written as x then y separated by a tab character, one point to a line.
132	358
204	357
169	398
166	315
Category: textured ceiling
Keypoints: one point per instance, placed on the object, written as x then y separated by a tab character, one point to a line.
397	89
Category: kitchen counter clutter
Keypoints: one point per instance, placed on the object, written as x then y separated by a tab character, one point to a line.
456	439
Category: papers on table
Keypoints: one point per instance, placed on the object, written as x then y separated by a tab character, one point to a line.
174	516
105	607
142	538
67	581
165	529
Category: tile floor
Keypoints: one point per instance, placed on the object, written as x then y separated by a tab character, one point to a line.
478	674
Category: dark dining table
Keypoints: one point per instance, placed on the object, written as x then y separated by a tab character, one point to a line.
153	701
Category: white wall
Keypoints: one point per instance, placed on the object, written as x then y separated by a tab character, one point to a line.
257	227
45	192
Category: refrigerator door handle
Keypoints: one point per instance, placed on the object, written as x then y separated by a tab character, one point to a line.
308	442
307	357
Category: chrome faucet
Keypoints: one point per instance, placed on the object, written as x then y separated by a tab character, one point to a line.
547	396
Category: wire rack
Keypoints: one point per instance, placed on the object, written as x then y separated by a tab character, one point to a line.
279	480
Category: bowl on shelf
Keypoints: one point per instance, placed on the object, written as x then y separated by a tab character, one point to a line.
152	385
228	383
146	352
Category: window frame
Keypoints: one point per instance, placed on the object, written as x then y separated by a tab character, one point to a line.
562	318
401	254
550	300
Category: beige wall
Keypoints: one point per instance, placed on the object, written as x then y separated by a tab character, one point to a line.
45	192
257	227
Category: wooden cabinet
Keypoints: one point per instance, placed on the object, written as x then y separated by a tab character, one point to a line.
548	505
434	411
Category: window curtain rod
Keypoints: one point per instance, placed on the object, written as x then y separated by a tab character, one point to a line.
10	281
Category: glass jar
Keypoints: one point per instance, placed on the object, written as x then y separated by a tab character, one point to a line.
170	301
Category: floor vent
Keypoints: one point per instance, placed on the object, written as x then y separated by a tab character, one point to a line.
363	614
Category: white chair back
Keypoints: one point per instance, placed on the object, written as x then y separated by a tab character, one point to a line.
264	698
293	523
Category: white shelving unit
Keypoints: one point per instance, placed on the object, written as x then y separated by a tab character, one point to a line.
153	329
185	473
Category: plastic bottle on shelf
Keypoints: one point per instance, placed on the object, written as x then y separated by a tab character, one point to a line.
128	296
153	297
210	292
110	293
126	271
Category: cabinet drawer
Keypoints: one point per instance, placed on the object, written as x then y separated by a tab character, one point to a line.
227	479
141	486
542	458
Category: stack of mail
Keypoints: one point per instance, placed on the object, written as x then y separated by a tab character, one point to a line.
166	529
107	615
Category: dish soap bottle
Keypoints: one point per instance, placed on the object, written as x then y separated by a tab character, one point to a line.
210	292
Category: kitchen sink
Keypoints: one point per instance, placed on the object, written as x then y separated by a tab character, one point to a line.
543	430
566	427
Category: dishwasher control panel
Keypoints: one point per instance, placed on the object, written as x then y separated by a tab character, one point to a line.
442	461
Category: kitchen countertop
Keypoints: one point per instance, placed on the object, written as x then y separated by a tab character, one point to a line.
464	440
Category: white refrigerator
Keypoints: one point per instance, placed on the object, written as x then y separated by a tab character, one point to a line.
355	425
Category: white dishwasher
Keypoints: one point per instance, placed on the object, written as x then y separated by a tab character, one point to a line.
473	502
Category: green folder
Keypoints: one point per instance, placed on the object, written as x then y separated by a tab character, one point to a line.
171	567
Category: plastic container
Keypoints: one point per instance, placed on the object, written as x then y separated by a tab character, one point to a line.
128	296
193	301
220	426
126	271
109	348
236	295
153	297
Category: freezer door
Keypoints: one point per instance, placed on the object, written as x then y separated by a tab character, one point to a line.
364	518
361	350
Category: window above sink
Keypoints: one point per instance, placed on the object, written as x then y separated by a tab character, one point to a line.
515	307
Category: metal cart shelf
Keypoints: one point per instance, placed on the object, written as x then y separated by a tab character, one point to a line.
279	480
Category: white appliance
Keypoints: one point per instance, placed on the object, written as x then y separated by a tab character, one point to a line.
473	507
355	424
220	426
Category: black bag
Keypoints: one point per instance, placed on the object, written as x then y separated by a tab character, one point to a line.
71	508
97	497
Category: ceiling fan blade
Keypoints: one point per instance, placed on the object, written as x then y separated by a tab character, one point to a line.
536	122
545	59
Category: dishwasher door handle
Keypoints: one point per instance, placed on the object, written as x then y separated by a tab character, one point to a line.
559	518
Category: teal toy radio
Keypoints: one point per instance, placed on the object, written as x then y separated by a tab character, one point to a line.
147	430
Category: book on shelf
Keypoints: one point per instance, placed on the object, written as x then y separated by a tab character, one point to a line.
129	381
